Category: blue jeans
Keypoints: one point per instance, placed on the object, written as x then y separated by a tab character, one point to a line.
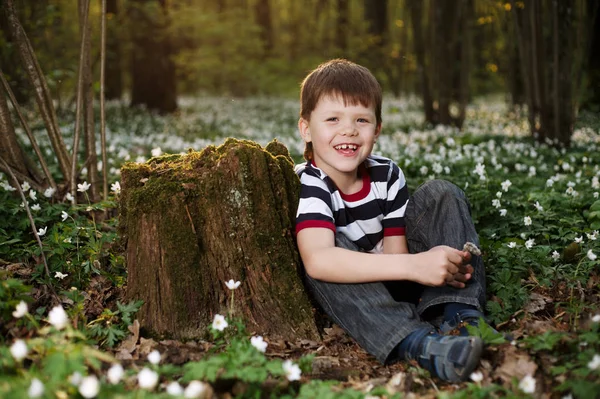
379	315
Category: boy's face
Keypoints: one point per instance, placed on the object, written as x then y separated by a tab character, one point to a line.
342	136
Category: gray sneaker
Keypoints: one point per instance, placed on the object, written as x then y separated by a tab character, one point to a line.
450	358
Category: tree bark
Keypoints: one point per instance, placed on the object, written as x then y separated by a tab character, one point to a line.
152	69
38	81
263	17
191	222
114	74
10	150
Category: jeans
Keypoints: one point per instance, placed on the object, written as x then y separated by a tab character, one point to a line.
379	315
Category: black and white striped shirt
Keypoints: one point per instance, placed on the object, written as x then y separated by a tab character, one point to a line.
365	217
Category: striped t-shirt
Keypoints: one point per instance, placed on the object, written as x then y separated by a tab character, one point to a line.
365	217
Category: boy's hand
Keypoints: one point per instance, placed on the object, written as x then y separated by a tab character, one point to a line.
443	265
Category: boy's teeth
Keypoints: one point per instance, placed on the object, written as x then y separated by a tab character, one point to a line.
346	146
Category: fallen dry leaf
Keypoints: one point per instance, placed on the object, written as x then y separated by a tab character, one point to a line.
515	364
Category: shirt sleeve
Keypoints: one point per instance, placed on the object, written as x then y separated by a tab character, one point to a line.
395	206
315	208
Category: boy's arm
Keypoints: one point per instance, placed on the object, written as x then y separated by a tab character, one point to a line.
324	261
395	245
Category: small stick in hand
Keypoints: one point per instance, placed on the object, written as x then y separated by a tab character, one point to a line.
472	248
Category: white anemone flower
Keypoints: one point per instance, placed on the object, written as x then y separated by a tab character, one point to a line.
58	317
529	243
147	379
83	187
476	376
42	231
591	255
174	389
25	186
527	221
596	318
36	207
36	389
20	310
292	371
89	387
19	350
115	373
64	215
506	185
195	389
49	192
219	323
512	244
75	379
594	364
503	212
259	343
116	187
555	255
60	275
154	357
527	384
232	285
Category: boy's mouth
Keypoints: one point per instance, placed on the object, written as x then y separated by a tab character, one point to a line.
346	148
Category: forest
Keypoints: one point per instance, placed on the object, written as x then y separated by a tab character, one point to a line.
147	193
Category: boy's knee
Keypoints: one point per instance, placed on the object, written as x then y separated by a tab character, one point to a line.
439	189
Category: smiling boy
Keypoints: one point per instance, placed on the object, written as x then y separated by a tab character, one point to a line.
382	264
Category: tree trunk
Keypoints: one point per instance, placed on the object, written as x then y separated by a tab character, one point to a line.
341	31
263	18
114	76
191	222
38	81
152	69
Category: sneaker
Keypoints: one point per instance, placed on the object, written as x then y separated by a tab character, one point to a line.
468	317
450	358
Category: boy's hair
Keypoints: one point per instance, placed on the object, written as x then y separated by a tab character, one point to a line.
339	77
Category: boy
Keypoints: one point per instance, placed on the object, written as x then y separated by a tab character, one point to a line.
383	267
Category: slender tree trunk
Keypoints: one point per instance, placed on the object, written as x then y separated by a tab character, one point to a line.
114	74
416	15
263	17
37	79
89	131
10	150
152	69
341	31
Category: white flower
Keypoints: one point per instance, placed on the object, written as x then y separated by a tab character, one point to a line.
538	206
579	240
506	184
69	197
476	376
60	275
36	389
527	221
75	378
195	389
424	170
527	384
570	184
156	152
292	371
21	310
555	255
594	363
36	207
154	357
115	373
25	186
596	194
219	322
174	389
569	396
49	192
67	240
259	343
116	187
58	317
496	203
42	231
503	212
591	255
479	169
33	195
512	244
147	379
232	285
19	350
529	243
498	194
596	318
549	183
82	188
593	236
64	215
569	190
89	387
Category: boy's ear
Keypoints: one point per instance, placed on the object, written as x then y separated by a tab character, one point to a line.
304	130
378	130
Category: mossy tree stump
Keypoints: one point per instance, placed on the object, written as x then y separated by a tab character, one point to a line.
191	222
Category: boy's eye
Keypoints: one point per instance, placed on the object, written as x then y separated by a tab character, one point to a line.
332	119
363	120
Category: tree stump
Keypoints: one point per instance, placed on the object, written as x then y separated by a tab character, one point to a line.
191	222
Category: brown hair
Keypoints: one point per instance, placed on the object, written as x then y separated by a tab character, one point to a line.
353	82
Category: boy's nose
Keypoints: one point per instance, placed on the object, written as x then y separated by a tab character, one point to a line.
348	130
